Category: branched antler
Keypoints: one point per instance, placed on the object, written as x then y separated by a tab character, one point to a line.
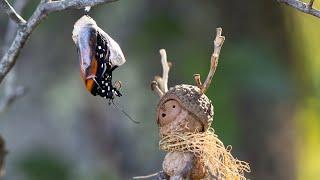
160	84
218	42
25	29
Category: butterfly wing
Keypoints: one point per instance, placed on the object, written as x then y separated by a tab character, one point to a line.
99	55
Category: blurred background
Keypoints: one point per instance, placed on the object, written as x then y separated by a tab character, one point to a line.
266	91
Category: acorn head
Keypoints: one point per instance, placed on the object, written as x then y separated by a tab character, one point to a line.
190	98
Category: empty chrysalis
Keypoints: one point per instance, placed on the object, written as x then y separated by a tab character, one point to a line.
99	55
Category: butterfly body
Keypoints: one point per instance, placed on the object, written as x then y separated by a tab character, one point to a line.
99	55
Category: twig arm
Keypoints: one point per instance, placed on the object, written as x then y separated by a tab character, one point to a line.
160	84
5	6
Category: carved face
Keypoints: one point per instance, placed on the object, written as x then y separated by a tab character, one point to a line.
172	117
168	112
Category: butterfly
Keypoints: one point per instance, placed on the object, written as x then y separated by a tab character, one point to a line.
99	56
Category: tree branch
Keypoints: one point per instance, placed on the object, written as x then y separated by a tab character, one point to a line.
11	92
4	5
24	31
301	6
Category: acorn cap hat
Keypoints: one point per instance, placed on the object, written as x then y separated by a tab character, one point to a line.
190	98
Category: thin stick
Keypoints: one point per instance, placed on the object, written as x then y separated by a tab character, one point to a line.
4	5
218	42
11	91
197	79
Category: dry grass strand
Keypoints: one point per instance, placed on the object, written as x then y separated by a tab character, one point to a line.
206	145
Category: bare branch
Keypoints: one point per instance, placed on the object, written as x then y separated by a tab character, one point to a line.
218	42
4	5
54	6
301	6
43	10
11	92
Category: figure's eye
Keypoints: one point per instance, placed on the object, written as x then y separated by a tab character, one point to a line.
173	106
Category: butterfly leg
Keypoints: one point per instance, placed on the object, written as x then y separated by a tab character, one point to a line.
93	77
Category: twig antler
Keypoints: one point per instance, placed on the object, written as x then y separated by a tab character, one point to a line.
218	42
160	84
25	28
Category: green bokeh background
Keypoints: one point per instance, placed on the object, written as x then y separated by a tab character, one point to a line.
265	90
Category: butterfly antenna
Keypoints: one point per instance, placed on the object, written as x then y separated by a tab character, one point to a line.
125	113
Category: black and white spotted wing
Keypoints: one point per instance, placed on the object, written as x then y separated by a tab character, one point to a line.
103	86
